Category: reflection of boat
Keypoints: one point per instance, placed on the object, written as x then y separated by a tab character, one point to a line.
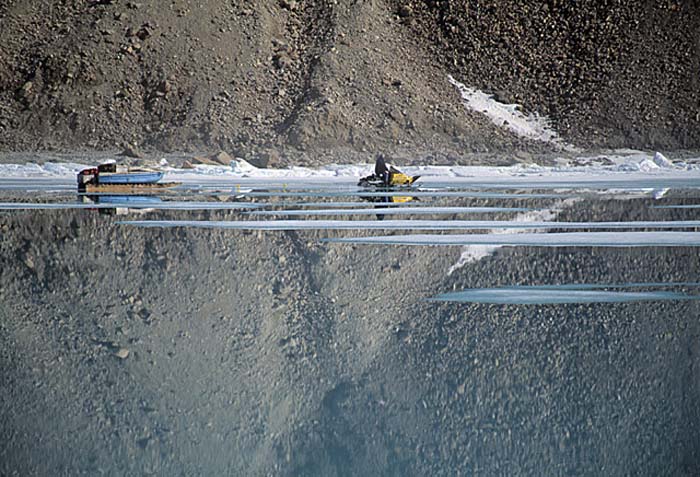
120	204
127	200
107	177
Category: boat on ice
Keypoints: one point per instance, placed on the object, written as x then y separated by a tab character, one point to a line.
109	177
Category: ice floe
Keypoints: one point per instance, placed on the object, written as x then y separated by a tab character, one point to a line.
111	202
565	239
432	225
535	296
391	211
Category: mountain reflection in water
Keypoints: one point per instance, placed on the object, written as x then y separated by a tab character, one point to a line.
149	344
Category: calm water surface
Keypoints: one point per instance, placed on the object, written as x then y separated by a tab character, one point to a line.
206	331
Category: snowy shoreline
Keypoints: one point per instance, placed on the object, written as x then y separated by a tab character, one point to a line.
622	165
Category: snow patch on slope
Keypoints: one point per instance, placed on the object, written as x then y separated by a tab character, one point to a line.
531	126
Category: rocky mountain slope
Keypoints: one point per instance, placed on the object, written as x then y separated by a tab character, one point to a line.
266	80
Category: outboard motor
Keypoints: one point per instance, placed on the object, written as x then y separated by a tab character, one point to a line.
87	176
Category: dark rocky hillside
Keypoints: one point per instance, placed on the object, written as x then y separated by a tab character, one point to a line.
260	78
609	72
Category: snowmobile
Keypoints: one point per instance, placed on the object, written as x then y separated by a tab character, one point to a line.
386	176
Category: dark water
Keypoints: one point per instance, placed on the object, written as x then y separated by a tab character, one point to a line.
181	335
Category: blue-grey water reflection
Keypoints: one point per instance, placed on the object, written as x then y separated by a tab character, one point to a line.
181	335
